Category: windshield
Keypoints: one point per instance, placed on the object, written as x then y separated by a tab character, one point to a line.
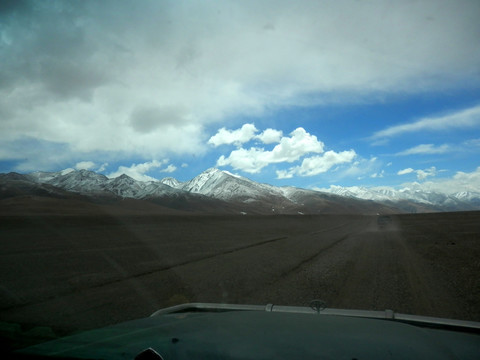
157	153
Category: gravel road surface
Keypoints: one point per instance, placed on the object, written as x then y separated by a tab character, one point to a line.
75	273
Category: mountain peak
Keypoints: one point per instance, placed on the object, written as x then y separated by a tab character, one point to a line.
205	182
124	180
224	185
211	171
124	176
13	176
170	181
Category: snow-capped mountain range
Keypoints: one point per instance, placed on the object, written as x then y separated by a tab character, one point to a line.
464	200
217	189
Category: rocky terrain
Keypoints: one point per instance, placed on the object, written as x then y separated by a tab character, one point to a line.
67	273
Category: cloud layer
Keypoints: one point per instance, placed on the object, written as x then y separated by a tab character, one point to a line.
147	78
236	137
426	149
461	181
465	118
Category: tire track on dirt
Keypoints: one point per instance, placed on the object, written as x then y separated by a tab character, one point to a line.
128	277
317	254
297	279
384	273
321	252
426	288
226	252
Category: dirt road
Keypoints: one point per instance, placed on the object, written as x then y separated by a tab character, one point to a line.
72	273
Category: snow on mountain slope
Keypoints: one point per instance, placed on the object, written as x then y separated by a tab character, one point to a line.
205	182
223	185
89	182
77	180
172	182
43	176
375	194
125	186
467	196
465	200
157	188
294	193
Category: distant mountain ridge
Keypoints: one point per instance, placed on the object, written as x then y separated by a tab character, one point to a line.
457	201
219	191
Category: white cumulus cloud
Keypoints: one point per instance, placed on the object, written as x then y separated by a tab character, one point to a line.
139	171
318	164
252	160
289	149
299	143
421	174
270	136
461	181
236	137
169	169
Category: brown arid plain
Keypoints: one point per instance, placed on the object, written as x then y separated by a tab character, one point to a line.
67	273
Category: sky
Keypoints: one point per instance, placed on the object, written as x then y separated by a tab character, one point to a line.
303	93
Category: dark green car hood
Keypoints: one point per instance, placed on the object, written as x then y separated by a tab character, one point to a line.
264	335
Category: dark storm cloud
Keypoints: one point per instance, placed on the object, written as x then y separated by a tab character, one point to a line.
145	119
7	7
53	45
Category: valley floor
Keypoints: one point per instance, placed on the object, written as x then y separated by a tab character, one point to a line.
71	273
